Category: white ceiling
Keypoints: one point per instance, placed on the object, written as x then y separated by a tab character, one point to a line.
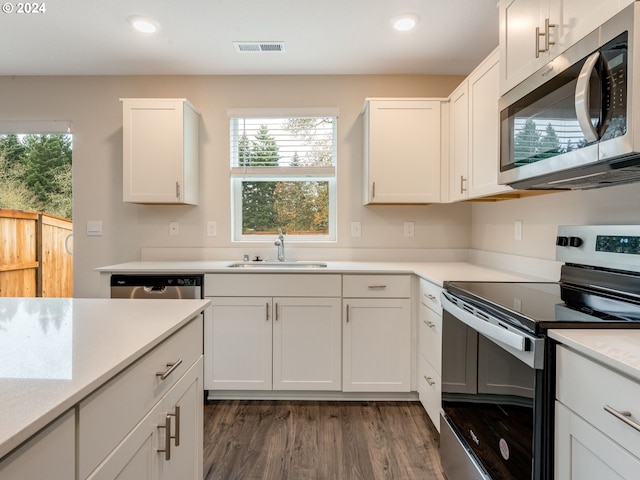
93	37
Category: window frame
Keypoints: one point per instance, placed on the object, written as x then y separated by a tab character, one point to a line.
240	174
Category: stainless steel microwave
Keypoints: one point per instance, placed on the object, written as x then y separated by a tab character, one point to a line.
571	125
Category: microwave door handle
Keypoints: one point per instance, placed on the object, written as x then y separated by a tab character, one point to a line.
582	98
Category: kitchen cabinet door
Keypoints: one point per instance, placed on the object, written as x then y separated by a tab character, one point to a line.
524	50
459	143
49	454
307	344
484	129
401	151
241	349
160	151
376	345
584	453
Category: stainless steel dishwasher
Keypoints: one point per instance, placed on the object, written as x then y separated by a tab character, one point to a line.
156	286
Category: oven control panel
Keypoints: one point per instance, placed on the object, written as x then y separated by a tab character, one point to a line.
607	246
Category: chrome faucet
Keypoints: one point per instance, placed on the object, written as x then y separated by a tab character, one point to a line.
280	244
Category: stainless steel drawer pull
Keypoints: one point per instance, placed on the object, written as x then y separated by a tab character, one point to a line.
176	437
429	380
429	324
168	371
623	416
167	438
347	313
376	287
430	297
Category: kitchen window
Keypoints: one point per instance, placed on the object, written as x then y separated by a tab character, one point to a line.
283	173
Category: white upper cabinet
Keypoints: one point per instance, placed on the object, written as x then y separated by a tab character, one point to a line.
160	151
534	32
484	129
401	151
474	124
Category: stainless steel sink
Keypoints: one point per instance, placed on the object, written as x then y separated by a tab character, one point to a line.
289	264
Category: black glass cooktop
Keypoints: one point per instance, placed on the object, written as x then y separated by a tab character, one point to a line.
537	306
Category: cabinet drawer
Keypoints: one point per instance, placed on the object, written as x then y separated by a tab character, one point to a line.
271	285
376	286
430	295
430	391
430	330
587	387
106	416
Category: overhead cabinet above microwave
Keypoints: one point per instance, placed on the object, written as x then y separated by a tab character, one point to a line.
160	151
534	32
401	151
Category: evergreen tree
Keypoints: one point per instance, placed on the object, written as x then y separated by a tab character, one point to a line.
258	214
549	143
526	143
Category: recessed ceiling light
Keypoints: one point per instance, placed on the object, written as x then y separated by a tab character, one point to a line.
144	24
404	23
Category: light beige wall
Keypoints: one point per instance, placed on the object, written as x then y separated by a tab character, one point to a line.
92	104
493	224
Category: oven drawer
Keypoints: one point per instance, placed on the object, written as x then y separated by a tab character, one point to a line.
376	286
587	387
430	295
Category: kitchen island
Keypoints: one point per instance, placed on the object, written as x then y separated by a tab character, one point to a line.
58	355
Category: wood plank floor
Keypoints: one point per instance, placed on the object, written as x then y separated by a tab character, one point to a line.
313	440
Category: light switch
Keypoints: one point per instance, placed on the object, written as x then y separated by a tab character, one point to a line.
408	229
356	229
94	228
173	229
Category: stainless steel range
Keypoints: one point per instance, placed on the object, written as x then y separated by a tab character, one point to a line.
498	365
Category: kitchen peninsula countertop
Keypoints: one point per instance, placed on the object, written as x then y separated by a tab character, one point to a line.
436	272
616	348
55	352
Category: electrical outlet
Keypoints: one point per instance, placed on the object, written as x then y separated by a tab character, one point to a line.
408	229
517	230
356	229
212	229
173	229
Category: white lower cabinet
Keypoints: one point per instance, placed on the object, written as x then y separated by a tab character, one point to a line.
376	333
591	442
49	454
287	337
429	381
167	443
279	343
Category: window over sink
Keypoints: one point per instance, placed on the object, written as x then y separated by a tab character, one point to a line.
283	173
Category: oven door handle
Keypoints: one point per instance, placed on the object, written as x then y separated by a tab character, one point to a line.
489	330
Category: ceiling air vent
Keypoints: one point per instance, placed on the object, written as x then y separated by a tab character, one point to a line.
259	47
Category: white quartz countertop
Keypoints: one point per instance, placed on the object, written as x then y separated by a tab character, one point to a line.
54	352
436	272
617	348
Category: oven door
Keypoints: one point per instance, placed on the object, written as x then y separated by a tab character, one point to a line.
492	397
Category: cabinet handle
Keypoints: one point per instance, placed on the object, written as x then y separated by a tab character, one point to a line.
267	310
167	438
373	190
429	324
462	188
168	371
277	313
623	416
538	35
430	297
347	313
429	380
176	437
177	190
377	287
547	27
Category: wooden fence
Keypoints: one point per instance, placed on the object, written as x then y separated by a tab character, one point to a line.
35	255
